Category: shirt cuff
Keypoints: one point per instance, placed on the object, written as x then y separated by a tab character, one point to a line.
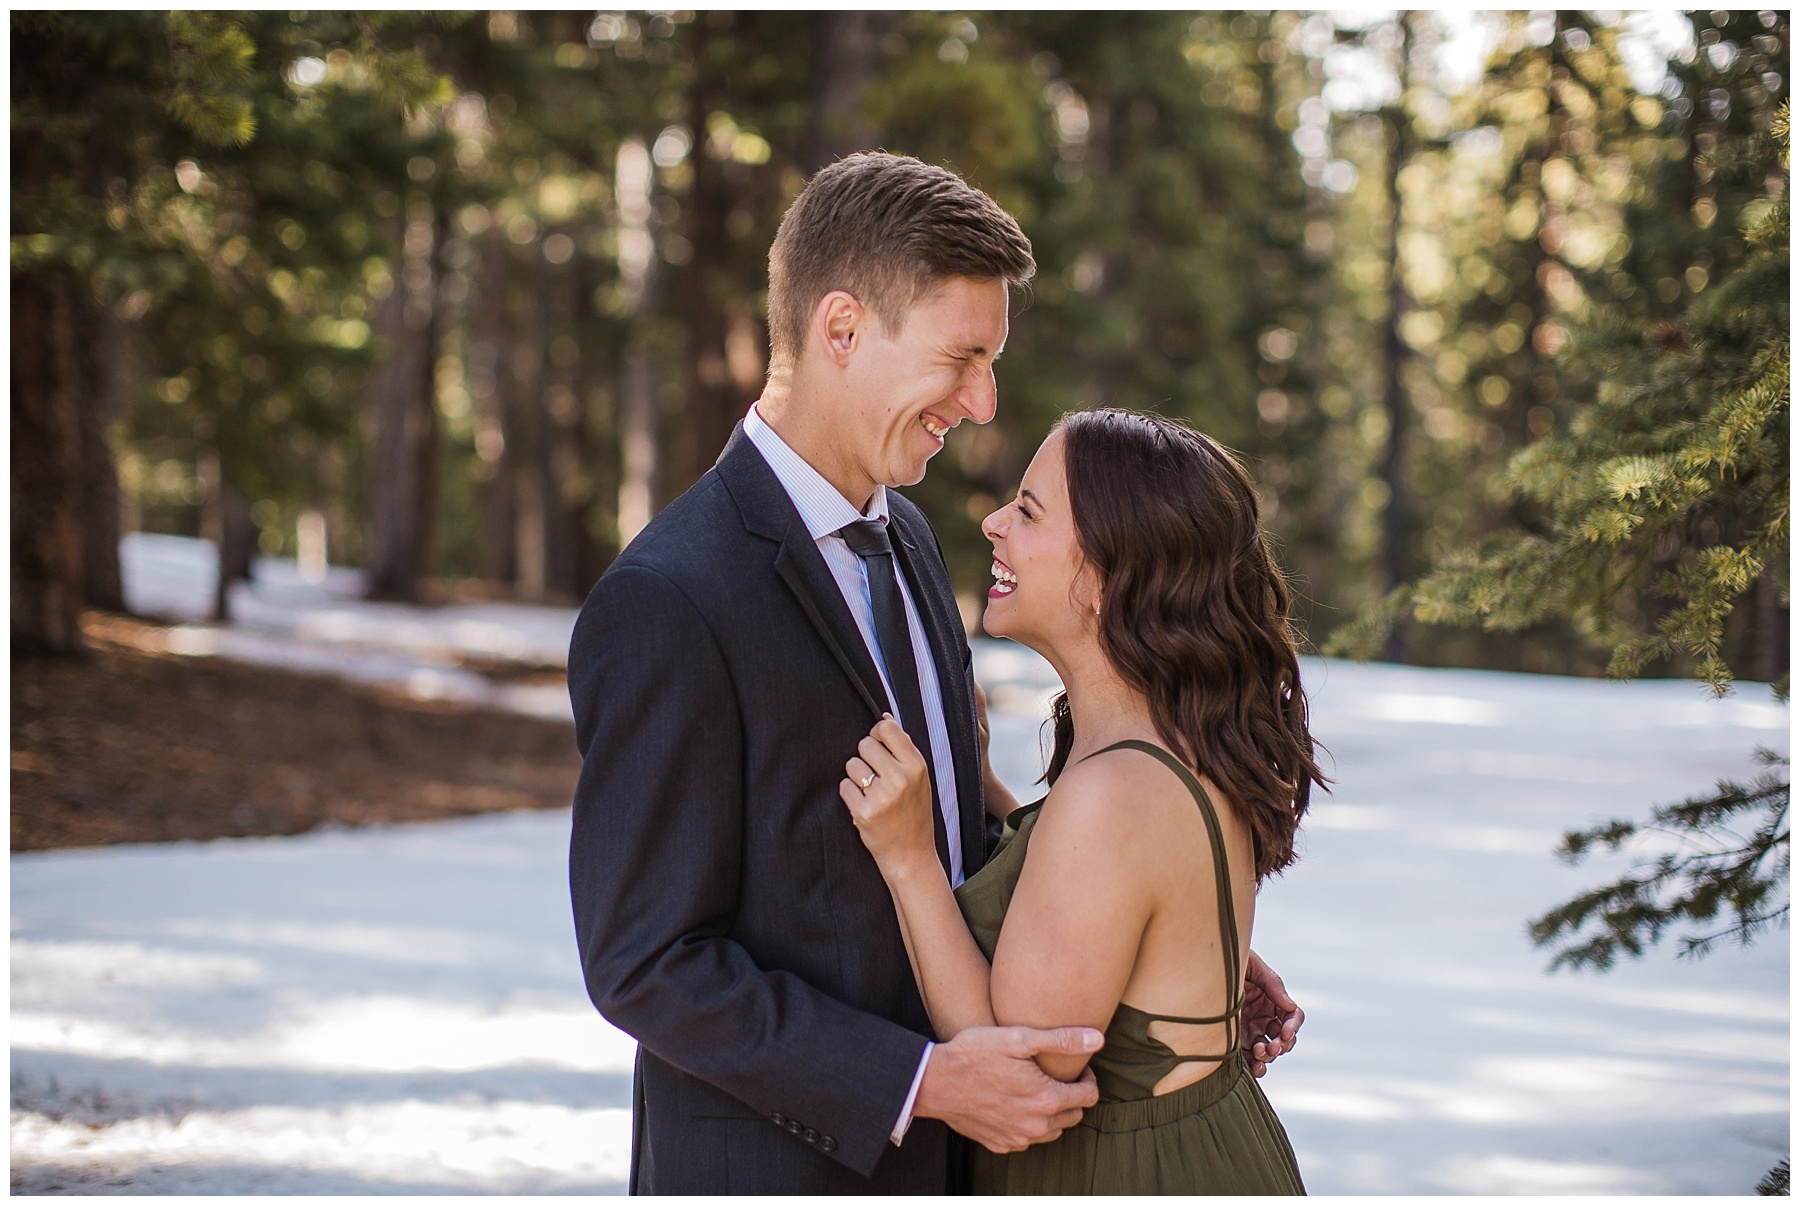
911	1096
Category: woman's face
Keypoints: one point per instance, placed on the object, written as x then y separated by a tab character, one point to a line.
1043	590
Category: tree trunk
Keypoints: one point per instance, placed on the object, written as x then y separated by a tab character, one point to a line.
107	373
638	278
559	431
48	571
403	491
531	462
846	60
1542	252
1105	365
1771	629
105	368
712	402
491	376
225	521
637	444
1395	535
597	450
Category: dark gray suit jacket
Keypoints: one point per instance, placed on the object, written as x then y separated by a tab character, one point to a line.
728	915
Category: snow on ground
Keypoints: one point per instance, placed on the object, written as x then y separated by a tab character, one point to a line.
280	619
1437	1056
393	1010
399	1009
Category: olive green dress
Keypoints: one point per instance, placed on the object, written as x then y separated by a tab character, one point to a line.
1216	1136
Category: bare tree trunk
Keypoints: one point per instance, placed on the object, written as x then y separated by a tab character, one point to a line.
559	417
491	376
637	386
846	60
637	440
1771	629
712	404
225	521
403	492
1394	401
100	346
1105	369
593	445
531	493
107	373
47	503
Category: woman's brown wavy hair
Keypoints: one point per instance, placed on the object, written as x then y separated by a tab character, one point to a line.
1193	613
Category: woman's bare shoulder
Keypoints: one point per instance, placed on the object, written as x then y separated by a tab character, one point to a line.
1112	795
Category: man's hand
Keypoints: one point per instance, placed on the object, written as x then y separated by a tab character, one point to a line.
1269	1022
986	1084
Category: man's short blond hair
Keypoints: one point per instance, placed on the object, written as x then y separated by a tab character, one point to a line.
885	229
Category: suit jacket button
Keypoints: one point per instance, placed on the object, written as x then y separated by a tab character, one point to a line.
811	1135
778	1119
828	1144
794	1128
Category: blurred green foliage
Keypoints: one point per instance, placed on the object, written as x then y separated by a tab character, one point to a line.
291	218
1662	502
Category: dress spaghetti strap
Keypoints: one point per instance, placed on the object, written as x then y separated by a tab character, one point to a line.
1228	934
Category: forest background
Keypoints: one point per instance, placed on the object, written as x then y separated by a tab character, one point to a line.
464	299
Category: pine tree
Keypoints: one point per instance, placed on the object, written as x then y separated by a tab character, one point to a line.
1669	486
1149	157
201	203
1534	176
1670	482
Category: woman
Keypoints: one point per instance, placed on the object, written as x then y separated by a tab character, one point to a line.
1133	561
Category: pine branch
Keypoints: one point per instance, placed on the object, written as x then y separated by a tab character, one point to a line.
1775	1182
1717	870
210	59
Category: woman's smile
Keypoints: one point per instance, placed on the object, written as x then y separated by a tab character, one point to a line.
1005	581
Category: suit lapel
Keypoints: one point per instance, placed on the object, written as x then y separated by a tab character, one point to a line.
943	629
803	569
769	513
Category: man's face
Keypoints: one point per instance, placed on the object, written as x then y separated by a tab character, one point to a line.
906	391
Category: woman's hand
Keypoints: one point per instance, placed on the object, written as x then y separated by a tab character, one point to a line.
887	788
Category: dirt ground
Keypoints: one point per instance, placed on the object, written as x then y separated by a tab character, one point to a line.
129	744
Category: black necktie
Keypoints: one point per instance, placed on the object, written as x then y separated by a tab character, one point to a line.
869	541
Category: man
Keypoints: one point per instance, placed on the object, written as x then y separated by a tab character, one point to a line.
722	672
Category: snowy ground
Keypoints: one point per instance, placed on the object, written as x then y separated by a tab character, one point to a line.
399	1010
279	619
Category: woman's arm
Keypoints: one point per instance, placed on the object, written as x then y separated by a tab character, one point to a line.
1085	895
893	815
1071	936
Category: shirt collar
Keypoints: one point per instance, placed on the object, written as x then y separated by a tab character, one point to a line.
822	509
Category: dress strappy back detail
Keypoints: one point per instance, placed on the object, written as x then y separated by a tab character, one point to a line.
1133	1062
1214	1136
1141	1059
